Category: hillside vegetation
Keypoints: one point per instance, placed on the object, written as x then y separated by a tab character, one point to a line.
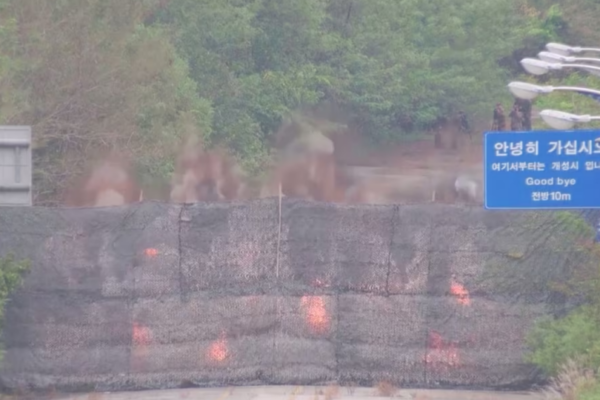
92	76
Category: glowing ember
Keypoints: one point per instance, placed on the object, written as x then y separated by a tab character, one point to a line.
141	338
461	293
218	351
320	283
441	354
315	313
151	252
141	335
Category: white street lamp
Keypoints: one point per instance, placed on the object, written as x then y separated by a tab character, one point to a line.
540	67
558	58
566	50
530	91
564	121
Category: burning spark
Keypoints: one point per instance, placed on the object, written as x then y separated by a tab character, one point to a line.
150	252
141	335
315	313
218	351
461	293
441	354
320	283
141	338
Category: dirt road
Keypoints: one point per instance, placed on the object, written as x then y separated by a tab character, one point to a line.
303	393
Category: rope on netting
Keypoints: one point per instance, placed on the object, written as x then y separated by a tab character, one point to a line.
277	299
278	235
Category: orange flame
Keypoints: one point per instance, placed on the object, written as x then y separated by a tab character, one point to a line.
316	313
461	293
150	252
441	354
218	351
141	335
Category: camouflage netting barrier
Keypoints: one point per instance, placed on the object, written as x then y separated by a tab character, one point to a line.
157	295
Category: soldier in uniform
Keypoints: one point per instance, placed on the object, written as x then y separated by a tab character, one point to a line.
464	122
499	123
525	109
516	119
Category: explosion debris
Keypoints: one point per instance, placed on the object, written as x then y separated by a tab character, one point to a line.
109	183
460	293
203	175
441	354
308	166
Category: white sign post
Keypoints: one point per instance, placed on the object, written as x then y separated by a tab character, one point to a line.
16	168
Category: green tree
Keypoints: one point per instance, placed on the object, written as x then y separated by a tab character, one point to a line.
565	100
11	275
94	75
90	78
575	336
556	261
574	21
393	66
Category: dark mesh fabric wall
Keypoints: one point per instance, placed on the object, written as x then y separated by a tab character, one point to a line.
157	295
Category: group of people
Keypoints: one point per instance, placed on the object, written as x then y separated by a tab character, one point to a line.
520	116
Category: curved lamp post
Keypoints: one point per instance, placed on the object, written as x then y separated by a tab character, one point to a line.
566	50
563	120
540	67
558	58
530	91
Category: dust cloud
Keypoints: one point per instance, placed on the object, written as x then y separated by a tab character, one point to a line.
316	159
109	182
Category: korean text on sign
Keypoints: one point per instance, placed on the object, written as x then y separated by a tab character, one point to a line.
519	166
568	148
516	148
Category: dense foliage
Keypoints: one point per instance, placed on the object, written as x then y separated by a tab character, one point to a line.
96	75
89	76
552	258
574	337
569	101
395	66
11	273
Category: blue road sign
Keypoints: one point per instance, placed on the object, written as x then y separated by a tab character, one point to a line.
542	170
